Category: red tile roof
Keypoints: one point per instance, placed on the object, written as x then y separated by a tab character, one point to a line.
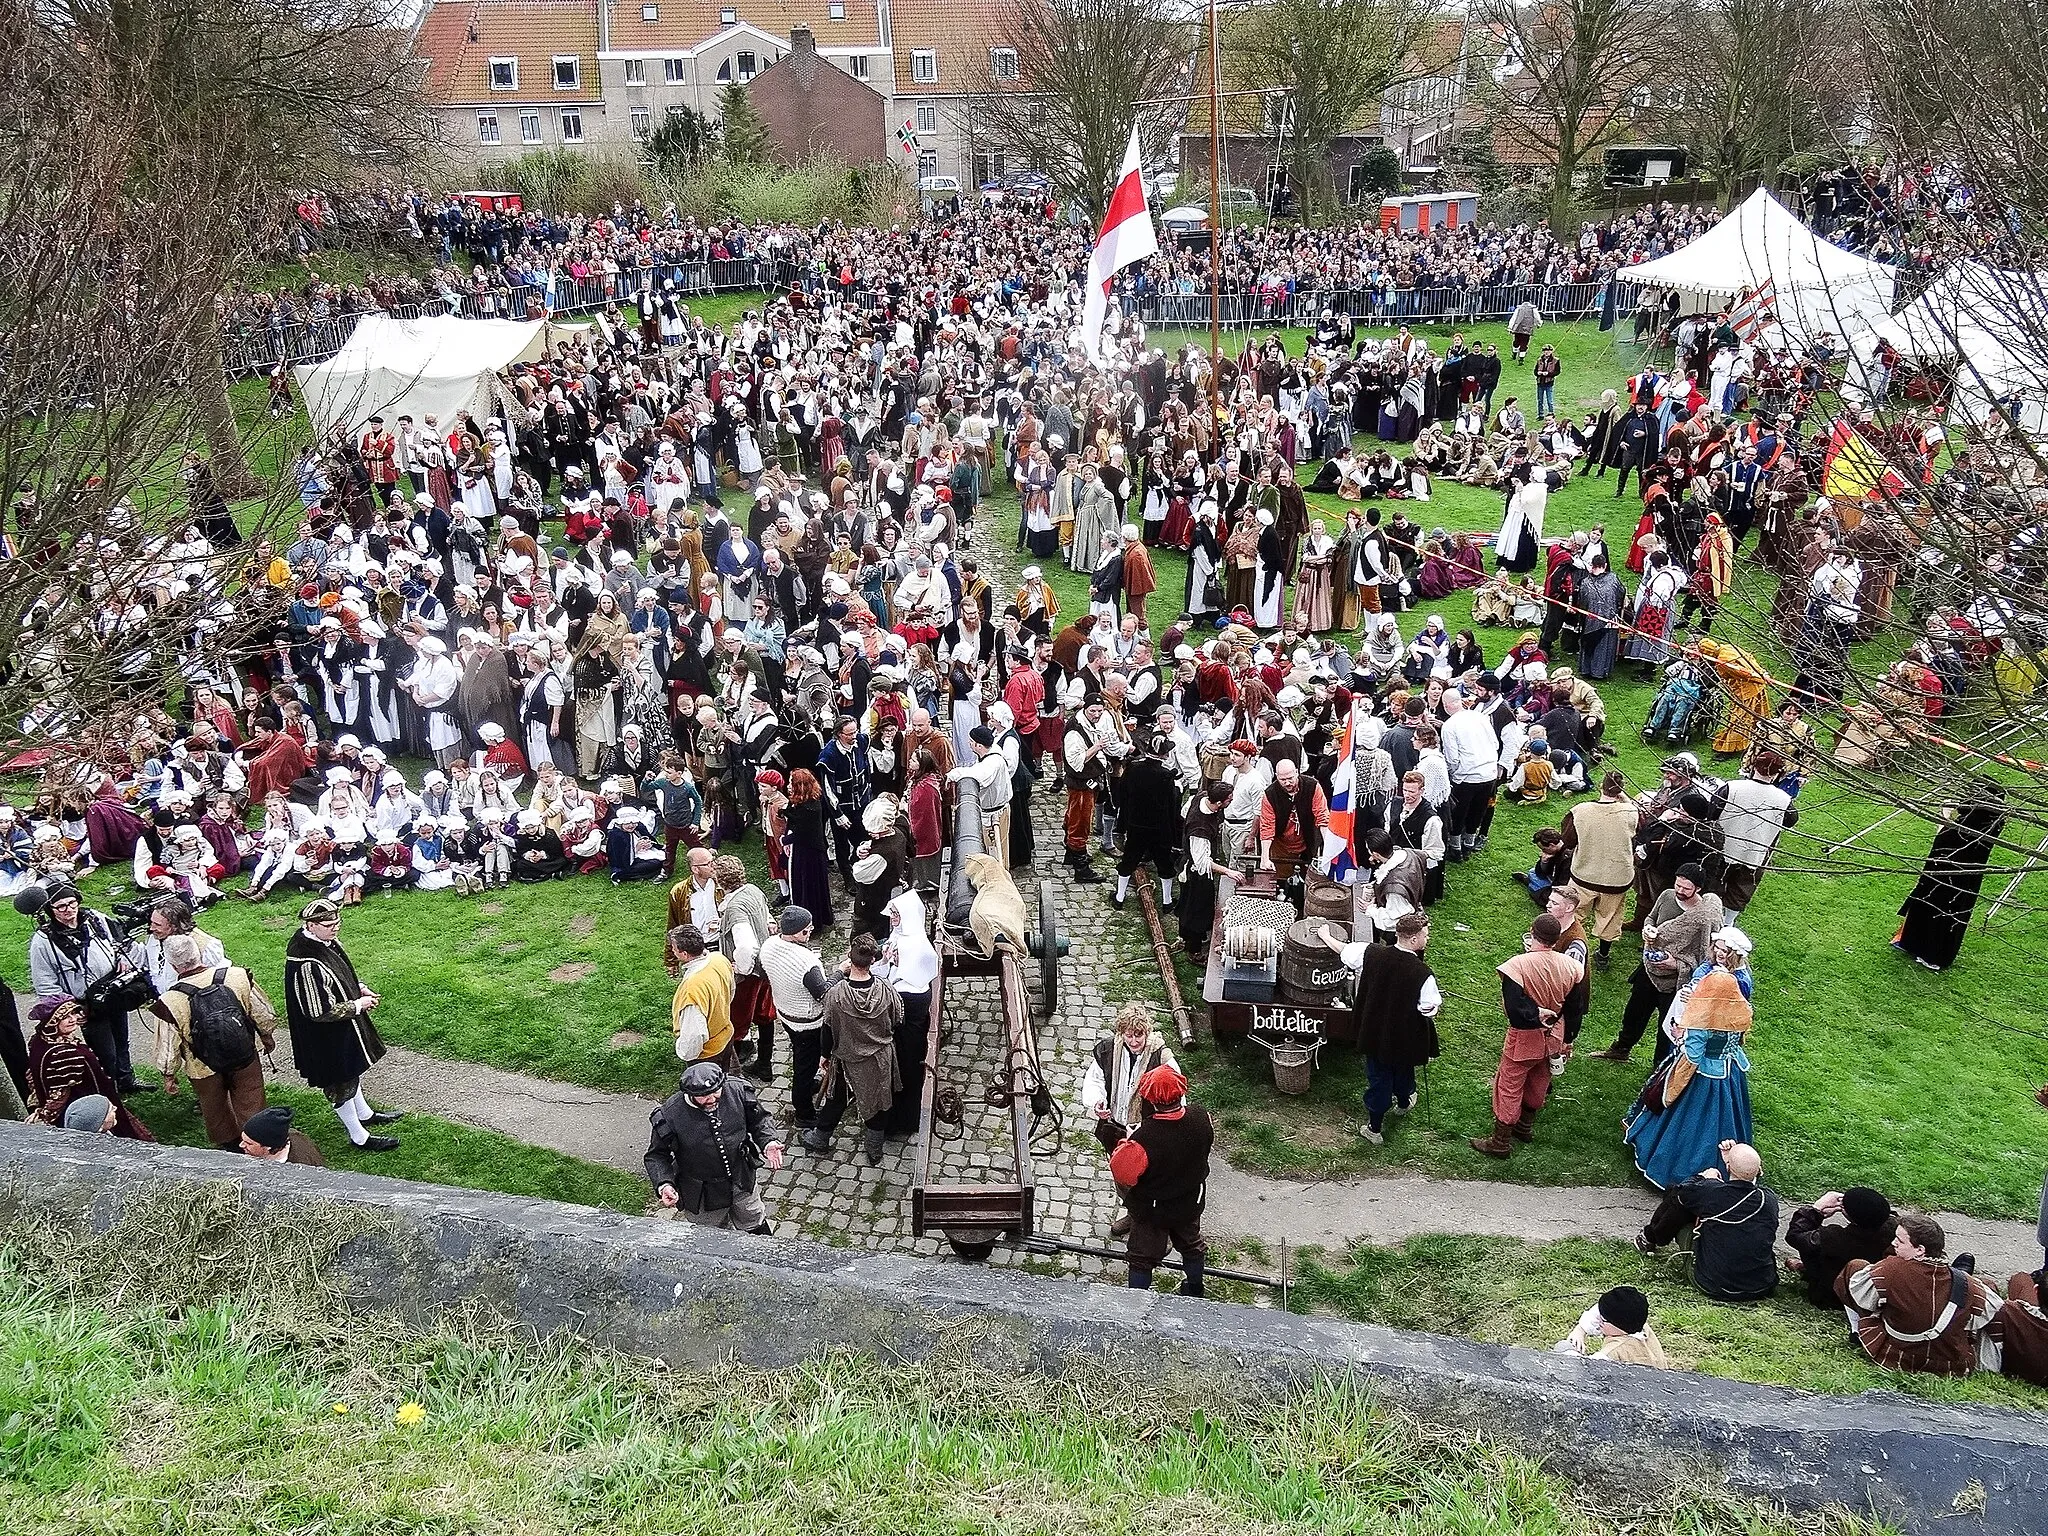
960	34
459	38
682	24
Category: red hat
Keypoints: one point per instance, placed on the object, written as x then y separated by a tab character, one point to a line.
1249	748
769	777
946	494
1163	1086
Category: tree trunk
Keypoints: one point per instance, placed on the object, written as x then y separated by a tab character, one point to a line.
1564	221
216	413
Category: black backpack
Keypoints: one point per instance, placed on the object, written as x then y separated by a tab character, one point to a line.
222	1036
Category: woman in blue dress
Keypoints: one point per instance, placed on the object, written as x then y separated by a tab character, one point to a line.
1698	1097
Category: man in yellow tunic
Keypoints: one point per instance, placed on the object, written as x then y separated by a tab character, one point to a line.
701	1013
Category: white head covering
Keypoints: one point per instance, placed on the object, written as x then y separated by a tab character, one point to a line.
916	964
1735	939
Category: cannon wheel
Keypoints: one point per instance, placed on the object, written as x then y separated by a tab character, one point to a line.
1048	951
973	1247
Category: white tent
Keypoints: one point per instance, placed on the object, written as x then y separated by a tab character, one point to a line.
436	364
1989	327
1816	288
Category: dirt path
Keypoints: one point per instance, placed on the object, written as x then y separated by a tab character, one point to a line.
611	1129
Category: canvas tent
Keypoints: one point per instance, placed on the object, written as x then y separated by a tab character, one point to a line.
1816	288
1988	327
436	364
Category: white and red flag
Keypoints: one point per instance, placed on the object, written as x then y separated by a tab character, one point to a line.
1126	237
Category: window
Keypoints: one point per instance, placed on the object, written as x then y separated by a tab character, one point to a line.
674	71
725	70
988	166
927	119
835	10
643	123
636	71
568	72
572	125
487	128
927	163
1002	63
859	65
529	127
504	74
924	65
745	64
650	13
728	17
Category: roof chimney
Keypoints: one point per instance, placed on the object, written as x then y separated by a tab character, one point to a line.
801	41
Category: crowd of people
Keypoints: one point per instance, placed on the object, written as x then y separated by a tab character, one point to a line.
455	253
697	586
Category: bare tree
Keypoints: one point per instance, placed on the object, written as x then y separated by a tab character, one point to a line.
1333	60
1753	82
269	97
1570	77
1937	491
107	277
1059	82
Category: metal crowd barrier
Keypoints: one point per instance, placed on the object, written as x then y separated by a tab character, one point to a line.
257	349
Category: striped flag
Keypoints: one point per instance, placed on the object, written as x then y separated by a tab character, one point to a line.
1127	236
1753	311
1343	791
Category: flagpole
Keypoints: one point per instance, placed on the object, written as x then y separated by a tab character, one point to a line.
1215	222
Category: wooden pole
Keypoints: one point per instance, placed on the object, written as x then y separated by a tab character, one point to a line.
1164	956
1215	218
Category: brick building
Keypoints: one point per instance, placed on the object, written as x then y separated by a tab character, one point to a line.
812	108
507	76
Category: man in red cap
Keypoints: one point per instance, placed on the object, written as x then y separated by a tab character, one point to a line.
1162	1170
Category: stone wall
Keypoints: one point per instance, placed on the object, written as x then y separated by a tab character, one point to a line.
683	1294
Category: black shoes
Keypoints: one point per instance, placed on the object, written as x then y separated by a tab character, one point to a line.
379	1144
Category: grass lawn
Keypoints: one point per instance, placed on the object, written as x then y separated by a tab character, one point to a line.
213	1417
1867	1068
429	1150
1531	1294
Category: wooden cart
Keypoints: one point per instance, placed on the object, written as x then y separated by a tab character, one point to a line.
971	1216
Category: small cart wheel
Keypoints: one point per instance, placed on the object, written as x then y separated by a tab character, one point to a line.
1048	951
972	1247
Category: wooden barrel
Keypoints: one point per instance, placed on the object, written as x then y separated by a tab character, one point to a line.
1331	902
1310	972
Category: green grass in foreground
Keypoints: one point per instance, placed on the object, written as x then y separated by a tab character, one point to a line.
1508	1292
430	1150
213	1419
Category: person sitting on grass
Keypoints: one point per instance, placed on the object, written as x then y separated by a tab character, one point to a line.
1822	1249
1734	1220
1617	1328
1553	866
1914	1310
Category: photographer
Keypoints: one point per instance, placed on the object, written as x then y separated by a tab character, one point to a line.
79	953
